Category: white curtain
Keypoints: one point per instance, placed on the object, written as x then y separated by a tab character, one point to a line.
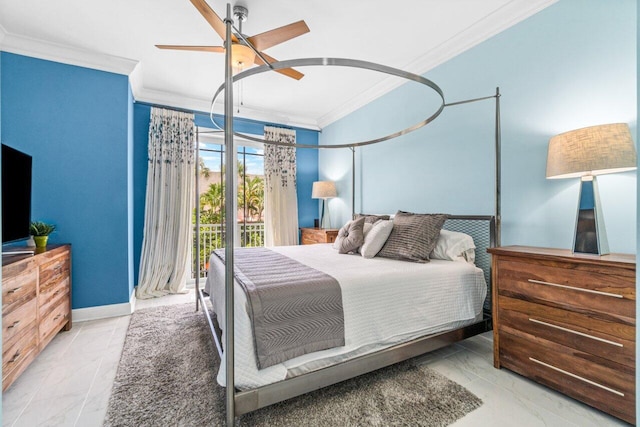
280	197
166	247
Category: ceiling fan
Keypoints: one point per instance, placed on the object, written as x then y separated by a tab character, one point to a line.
243	56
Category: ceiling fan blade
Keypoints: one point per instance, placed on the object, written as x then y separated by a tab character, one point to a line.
212	18
216	49
289	72
276	36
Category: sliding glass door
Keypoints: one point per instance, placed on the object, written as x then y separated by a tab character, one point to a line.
249	172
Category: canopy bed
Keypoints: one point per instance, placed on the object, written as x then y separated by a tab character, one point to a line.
247	388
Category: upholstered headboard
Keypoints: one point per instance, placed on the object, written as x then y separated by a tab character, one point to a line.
483	230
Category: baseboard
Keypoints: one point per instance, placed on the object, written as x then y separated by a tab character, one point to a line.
104	311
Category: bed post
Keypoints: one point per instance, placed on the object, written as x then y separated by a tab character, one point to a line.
197	206
229	225
498	170
353	182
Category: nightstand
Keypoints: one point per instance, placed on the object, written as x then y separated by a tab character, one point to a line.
312	236
568	321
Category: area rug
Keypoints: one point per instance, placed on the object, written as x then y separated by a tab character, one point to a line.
167	377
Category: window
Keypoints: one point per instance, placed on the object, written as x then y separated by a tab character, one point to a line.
250	197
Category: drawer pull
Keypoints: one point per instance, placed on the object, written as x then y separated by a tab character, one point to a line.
57	317
14	290
13	325
607	294
576	332
15	357
619	393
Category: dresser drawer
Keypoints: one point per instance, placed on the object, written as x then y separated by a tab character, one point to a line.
53	273
610	296
608	340
16	357
51	324
17	321
17	290
52	297
597	382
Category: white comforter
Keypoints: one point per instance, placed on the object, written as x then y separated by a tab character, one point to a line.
385	302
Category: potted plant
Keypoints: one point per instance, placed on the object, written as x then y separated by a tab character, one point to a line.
40	232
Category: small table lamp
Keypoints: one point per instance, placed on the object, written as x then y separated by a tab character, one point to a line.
324	190
585	153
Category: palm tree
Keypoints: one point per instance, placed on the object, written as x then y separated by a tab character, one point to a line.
211	204
204	169
254	197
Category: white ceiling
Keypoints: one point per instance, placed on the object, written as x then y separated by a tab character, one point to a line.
119	36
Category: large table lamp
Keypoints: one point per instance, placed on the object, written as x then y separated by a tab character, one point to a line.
585	153
324	190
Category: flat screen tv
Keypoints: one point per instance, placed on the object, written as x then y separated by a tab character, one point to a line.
16	194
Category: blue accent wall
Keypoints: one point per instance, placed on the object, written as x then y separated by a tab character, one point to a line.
569	66
74	122
307	168
141	116
130	192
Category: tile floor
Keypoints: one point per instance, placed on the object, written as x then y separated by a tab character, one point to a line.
70	382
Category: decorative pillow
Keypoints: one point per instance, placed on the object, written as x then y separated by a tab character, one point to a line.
374	240
372	219
367	227
336	243
342	231
454	246
413	236
351	236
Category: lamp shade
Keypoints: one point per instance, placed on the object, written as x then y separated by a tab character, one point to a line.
242	57
323	190
591	151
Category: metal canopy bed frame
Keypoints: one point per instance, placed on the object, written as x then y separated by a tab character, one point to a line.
240	402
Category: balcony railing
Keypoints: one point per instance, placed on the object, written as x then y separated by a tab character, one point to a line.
212	237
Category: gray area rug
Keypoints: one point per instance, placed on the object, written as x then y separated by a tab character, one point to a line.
167	377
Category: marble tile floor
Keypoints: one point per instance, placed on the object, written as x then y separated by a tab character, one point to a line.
70	382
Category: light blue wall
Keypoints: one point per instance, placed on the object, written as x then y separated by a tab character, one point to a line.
307	168
569	66
74	122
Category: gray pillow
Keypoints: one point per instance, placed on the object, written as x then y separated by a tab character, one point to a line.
413	236
351	236
372	219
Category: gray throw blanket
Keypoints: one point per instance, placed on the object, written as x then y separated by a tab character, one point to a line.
294	308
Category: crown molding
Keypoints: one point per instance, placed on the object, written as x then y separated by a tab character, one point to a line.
162	98
505	17
3	33
56	52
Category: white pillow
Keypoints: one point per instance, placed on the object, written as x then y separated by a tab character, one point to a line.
375	238
454	246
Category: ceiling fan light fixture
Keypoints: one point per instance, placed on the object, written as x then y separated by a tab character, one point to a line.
242	57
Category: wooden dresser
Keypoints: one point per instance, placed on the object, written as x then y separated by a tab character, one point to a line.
312	236
36	305
568	321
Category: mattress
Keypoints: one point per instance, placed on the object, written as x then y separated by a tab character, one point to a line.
385	302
